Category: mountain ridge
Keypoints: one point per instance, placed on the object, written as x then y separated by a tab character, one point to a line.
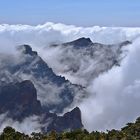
35	89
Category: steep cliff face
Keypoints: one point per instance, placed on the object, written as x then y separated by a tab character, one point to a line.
69	121
28	86
19	101
54	92
82	60
79	43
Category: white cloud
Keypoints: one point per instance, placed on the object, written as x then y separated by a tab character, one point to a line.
42	35
114	96
27	126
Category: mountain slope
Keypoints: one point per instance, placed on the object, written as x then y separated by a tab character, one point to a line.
81	60
54	92
28	86
19	101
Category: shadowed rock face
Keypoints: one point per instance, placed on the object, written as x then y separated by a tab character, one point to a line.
26	49
125	43
69	121
22	84
59	91
81	61
19	100
79	43
86	42
31	79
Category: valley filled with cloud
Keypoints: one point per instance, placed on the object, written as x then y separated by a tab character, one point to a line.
112	91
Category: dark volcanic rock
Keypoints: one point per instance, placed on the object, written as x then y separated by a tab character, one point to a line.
42	91
69	121
86	60
30	66
125	43
37	66
79	43
26	49
19	100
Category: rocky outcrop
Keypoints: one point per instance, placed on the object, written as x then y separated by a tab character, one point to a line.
19	100
69	121
30	66
28	86
79	43
85	60
26	49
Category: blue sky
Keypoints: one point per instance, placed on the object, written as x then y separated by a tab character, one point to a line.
77	12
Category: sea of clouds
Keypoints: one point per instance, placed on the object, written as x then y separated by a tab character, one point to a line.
113	96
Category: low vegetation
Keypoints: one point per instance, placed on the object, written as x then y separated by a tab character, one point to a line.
130	132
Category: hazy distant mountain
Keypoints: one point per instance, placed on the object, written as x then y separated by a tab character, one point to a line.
19	101
54	92
28	86
82	60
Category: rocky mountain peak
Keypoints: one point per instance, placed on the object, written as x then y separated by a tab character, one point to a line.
70	121
81	42
19	99
125	43
26	49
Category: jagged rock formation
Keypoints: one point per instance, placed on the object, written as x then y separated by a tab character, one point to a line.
19	100
79	43
54	92
82	60
69	121
28	86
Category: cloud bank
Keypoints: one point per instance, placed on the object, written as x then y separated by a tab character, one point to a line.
114	96
42	35
27	126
